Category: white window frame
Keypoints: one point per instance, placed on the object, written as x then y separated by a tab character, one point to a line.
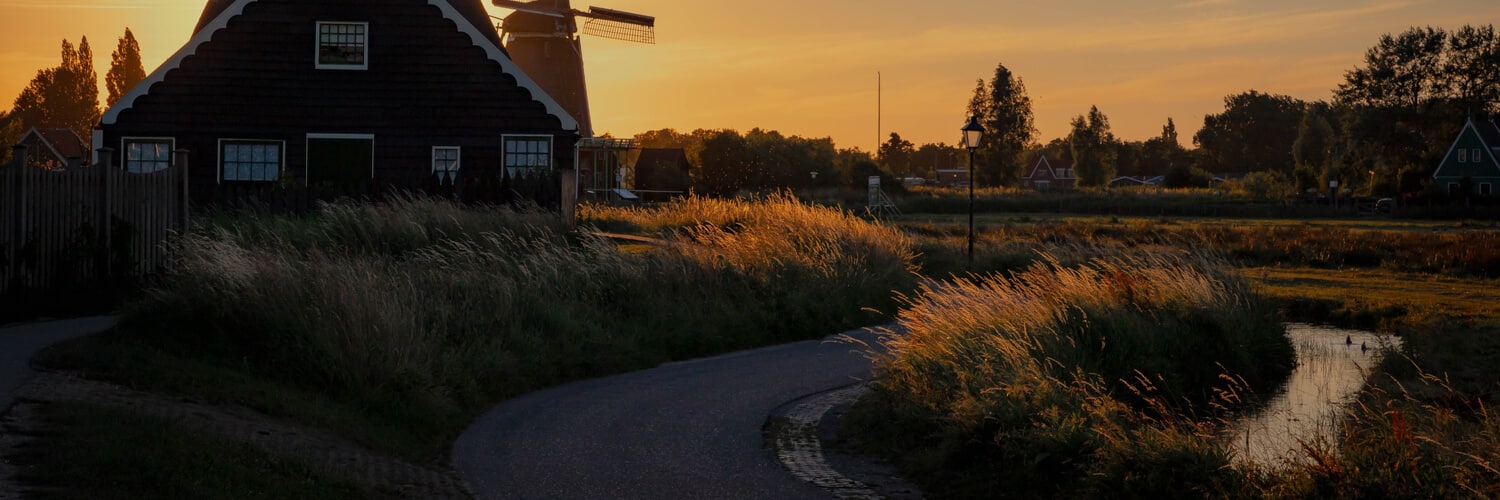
1485	189
1463	155
318	47
448	174
280	158
1476	155
1454	188
125	152
506	154
307	152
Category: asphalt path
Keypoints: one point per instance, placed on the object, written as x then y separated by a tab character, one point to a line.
682	430
20	342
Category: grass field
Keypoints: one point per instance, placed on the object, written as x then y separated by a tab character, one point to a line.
360	320
395	325
1421	427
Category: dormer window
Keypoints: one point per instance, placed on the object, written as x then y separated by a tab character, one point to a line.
343	45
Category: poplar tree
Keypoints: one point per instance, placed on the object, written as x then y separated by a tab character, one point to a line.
1093	147
125	69
1004	110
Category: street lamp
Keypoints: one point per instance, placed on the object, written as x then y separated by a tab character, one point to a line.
972	133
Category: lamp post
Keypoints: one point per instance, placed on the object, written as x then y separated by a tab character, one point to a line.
972	133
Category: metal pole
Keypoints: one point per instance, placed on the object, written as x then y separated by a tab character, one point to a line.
971	209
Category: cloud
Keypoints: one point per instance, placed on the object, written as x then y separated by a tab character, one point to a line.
1203	3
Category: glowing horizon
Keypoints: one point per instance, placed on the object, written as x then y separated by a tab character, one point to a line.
810	69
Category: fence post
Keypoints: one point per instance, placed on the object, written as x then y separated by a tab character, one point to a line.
18	156
17	196
104	169
181	157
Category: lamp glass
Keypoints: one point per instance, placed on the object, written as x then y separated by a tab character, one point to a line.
973	132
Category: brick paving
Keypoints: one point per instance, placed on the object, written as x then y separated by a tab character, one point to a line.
799	433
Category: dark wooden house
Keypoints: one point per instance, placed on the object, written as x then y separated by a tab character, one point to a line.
1473	161
357	94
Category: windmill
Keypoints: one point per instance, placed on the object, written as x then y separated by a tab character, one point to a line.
542	38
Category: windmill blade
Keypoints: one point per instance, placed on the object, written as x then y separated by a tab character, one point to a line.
619	25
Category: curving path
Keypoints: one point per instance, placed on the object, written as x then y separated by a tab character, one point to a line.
682	430
18	343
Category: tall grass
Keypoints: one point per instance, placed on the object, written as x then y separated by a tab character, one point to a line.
423	311
1064	381
1467	253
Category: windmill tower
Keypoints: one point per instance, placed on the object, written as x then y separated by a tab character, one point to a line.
542	38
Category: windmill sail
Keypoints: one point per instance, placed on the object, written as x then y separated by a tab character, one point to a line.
541	37
620	25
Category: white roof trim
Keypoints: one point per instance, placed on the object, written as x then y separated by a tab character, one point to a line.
506	65
203	35
464	26
45	142
1041	159
1468	125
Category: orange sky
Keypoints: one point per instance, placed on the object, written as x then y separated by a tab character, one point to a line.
809	68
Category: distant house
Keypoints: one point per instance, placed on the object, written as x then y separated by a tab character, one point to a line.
54	148
662	172
1045	175
373	93
1472	160
956	177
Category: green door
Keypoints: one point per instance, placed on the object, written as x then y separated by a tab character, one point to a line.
340	160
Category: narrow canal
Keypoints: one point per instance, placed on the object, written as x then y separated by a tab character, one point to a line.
1332	366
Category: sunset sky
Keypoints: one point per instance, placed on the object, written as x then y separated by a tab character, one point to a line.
809	68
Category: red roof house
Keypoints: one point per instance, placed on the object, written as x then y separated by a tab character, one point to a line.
52	148
1045	175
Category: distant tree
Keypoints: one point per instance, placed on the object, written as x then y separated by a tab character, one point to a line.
1162	152
1130	157
1472	68
1004	110
1313	149
1404	70
10	134
1254	133
1058	151
63	96
726	165
853	166
895	156
929	158
1093	146
125	69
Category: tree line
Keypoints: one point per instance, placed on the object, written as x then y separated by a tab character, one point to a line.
1386	127
67	95
1384	130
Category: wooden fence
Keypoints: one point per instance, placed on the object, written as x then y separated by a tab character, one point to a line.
83	225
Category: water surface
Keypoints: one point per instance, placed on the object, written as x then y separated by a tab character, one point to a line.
1331	367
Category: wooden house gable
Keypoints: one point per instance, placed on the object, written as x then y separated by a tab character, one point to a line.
278	39
414	94
1473	154
1042	170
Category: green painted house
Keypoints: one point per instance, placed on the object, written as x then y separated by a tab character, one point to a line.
1472	157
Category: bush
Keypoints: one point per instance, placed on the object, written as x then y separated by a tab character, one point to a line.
1079	373
424	309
